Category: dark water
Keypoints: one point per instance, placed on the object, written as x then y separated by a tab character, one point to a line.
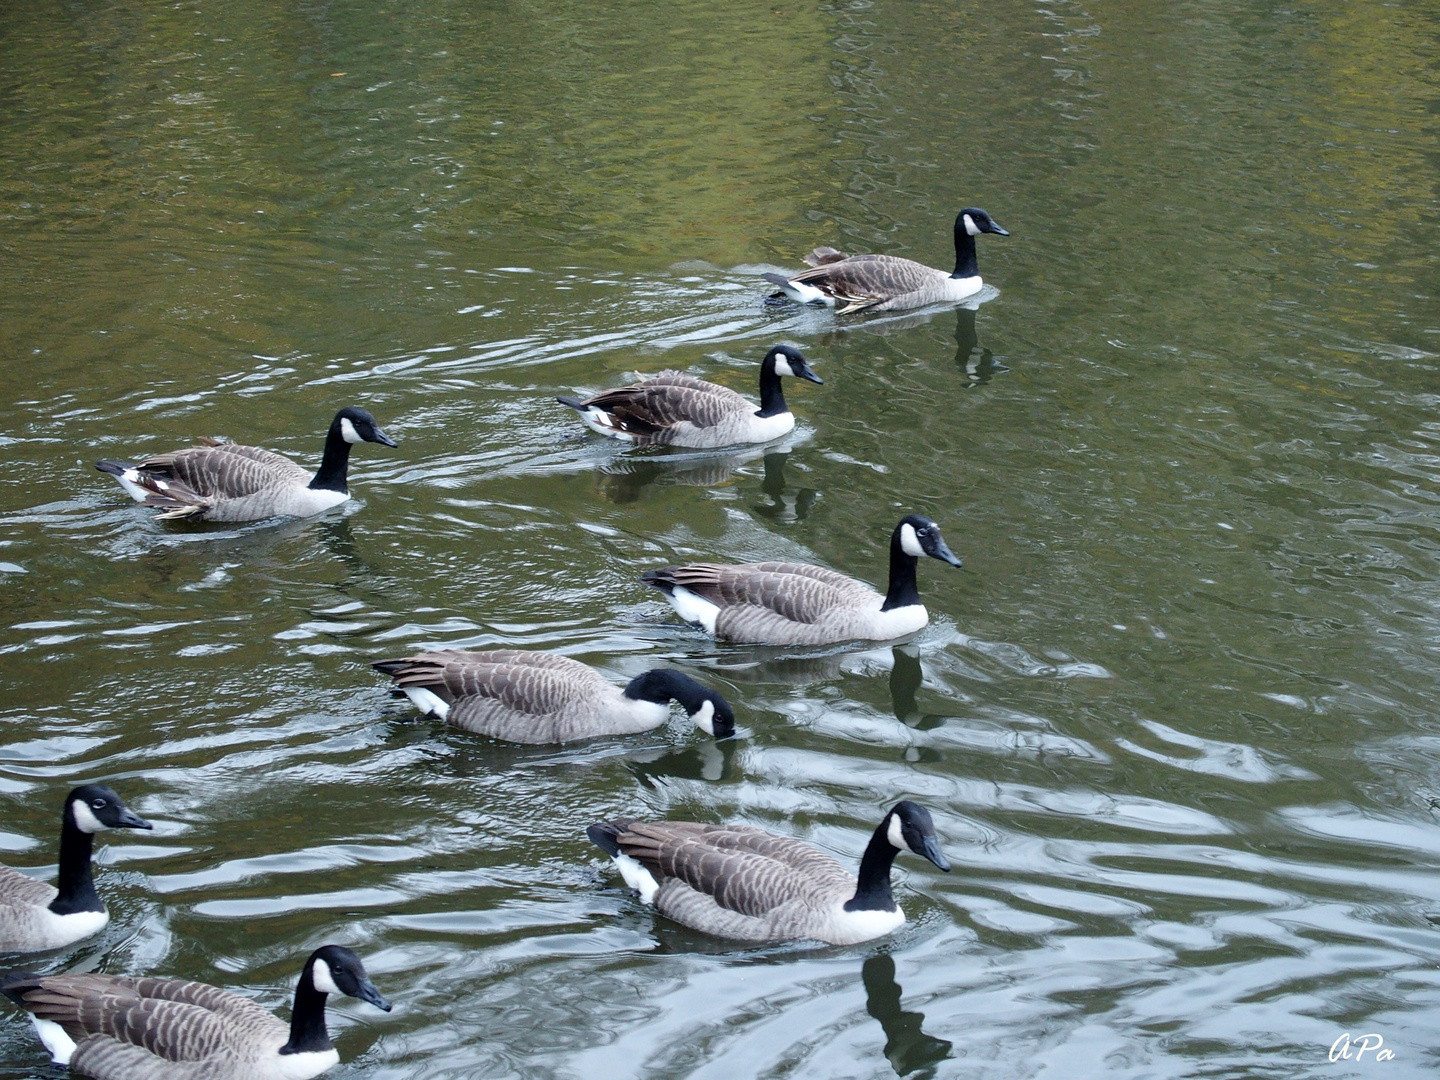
1175	718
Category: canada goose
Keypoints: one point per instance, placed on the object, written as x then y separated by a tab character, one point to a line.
542	697
737	881
886	282
218	481
115	1027
675	409
777	603
35	916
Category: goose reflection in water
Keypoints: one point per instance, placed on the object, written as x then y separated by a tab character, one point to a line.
712	761
911	1052
978	368
624	477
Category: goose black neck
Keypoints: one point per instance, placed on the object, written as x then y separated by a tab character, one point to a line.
662	686
772	399
335	464
307	1019
872	889
76	886
903	591
965	264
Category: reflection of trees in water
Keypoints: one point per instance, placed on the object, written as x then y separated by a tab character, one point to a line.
910	1050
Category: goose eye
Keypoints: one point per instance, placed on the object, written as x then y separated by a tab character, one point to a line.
98	803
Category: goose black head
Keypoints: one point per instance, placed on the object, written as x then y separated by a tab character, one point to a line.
357	425
334	969
912	829
974	221
918	535
710	712
94	807
786	360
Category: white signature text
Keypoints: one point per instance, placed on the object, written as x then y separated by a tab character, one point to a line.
1344	1047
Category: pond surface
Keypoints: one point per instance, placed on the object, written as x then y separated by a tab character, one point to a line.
1175	718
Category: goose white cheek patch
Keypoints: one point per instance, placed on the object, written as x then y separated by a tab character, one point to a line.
782	366
704	717
85	819
971	227
895	835
324	978
909	542
348	432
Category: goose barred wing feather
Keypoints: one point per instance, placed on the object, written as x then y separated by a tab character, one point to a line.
128	1022
225	470
19	890
862	281
651	408
25	924
797	592
744	870
822	255
530	682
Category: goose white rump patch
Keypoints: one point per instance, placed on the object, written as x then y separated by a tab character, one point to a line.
427	701
694	608
130	481
805	293
638	878
60	1045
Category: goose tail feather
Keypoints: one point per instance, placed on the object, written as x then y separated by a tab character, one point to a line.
16	984
603	834
571	402
662	579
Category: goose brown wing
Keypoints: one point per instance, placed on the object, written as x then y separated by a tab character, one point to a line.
171	1018
797	591
864	280
745	870
517	680
822	255
670	398
225	471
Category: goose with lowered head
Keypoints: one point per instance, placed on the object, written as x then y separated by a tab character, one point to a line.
887	282
737	881
675	409
781	603
115	1027
35	916
220	481
543	697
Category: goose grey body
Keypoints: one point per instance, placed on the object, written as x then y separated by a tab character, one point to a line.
737	881
886	282
112	1027
217	481
675	409
35	916
779	603
541	697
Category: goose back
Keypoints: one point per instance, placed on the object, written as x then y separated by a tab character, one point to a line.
738	881
882	283
675	409
782	603
523	696
121	1024
26	923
